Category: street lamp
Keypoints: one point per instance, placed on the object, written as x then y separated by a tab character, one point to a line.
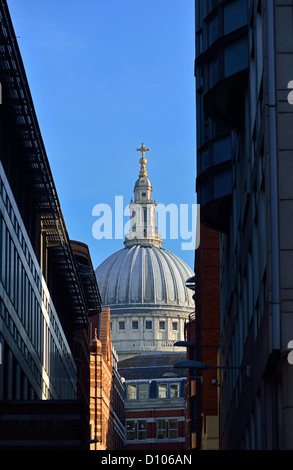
191	364
190	283
187	344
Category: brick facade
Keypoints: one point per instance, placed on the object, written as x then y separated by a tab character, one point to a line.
106	389
205	331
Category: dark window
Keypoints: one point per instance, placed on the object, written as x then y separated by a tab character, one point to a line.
142	430
130	429
161	429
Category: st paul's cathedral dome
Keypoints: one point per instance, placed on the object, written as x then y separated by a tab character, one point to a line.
143	284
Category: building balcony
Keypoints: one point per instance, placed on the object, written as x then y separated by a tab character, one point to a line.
222	60
214	183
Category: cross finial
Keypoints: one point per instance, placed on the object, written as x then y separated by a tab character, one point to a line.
143	160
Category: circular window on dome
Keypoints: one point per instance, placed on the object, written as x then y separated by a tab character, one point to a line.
143	194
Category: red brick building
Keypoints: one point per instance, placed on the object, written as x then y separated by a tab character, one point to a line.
106	388
155	402
204	331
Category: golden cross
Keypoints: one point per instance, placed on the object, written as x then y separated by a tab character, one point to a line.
143	150
143	160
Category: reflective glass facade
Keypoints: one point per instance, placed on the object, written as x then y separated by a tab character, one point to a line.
244	66
35	356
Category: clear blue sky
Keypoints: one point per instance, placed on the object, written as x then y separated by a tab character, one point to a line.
105	76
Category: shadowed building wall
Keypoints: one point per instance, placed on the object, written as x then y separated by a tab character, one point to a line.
243	70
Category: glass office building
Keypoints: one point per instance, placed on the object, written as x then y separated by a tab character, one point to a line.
35	354
244	56
42	301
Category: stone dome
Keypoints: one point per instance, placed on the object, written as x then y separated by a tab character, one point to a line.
143	183
143	284
144	277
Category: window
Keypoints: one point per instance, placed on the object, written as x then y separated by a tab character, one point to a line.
143	391
130	430
235	15
131	392
161	429
235	57
222	150
213	71
174	390
162	390
141	430
162	325
174	325
213	29
148	325
135	325
122	325
173	429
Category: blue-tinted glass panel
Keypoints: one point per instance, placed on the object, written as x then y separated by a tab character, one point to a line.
236	57
205	160
222	184
235	15
222	150
213	30
213	72
205	193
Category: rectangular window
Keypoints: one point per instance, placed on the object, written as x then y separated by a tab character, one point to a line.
130	430
162	390
131	392
143	391
174	325
135	325
148	325
213	28
235	15
161	429
174	390
235	57
173	429
141	430
122	325
222	150
162	325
